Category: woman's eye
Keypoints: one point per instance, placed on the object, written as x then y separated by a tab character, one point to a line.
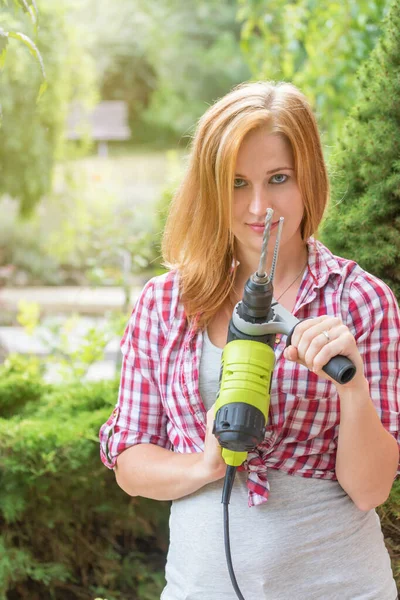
238	182
279	178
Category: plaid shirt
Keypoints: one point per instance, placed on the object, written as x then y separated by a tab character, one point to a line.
159	399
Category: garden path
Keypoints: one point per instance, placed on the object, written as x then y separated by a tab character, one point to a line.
91	303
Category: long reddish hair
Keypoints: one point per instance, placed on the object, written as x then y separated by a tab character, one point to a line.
198	239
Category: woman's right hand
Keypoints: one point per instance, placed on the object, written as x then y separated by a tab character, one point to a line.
213	463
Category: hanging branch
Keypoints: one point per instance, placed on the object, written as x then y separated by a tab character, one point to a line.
29	7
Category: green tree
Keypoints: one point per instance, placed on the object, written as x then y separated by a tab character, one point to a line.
31	137
168	60
317	45
363	222
117	36
202	64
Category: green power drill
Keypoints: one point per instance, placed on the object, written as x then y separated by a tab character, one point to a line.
248	360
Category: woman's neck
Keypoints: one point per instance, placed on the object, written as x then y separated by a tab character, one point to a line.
288	267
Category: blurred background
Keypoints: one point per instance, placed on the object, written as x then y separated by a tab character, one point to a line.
98	101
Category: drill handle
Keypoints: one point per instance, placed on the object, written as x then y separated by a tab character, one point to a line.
340	368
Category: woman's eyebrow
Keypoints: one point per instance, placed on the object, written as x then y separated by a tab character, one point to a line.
280	169
269	172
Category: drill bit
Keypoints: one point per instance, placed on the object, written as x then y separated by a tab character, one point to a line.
261	272
276	249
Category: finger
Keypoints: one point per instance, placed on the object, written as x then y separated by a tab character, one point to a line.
304	325
343	344
290	353
320	342
211	413
308	335
308	328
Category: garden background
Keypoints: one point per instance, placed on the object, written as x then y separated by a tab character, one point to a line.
80	228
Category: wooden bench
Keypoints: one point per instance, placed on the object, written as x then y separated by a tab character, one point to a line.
108	121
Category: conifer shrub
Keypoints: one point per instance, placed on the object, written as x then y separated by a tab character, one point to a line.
363	221
67	531
389	514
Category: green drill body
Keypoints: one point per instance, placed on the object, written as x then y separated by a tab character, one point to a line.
248	360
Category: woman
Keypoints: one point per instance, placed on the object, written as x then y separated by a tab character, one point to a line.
303	523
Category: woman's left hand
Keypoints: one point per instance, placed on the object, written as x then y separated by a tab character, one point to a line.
315	341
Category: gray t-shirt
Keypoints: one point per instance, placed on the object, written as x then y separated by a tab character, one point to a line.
308	542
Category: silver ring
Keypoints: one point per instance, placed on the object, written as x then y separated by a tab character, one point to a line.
326	334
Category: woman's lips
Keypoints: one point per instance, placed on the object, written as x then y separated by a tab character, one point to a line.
260	228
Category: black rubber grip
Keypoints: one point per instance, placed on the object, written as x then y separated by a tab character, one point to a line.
340	368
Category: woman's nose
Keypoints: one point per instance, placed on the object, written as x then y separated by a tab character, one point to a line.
259	202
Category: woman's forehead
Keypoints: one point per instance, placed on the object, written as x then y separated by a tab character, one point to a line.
263	147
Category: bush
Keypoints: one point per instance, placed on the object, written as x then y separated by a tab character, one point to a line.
389	514
364	218
67	530
21	383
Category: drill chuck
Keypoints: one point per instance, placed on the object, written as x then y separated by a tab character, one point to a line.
257	299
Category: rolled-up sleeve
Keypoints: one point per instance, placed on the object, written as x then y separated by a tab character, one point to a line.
138	416
375	321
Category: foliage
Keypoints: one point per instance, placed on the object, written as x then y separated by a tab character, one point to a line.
315	45
173	179
202	64
104	237
67	530
28	315
81	234
31	134
20	384
389	514
123	68
72	344
182	56
29	7
363	222
23	247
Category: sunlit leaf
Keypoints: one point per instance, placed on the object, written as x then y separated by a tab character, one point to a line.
31	46
42	90
3	47
3	54
3	40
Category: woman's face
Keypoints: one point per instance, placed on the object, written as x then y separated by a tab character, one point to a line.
265	178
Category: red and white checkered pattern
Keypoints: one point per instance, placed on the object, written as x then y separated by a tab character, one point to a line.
159	400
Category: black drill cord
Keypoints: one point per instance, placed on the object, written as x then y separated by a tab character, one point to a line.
226	495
